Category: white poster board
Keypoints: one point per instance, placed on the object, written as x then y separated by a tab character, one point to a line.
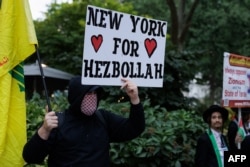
236	77
119	45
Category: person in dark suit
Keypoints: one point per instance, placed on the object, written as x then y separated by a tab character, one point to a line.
212	144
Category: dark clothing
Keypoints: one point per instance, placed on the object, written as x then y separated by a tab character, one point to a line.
83	141
245	145
231	134
205	155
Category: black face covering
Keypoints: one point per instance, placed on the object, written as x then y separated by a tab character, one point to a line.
89	104
77	92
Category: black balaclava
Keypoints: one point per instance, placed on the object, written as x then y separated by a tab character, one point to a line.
76	93
89	104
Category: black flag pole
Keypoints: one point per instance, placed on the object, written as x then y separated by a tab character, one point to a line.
43	79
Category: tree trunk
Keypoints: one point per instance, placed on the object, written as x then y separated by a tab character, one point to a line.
181	21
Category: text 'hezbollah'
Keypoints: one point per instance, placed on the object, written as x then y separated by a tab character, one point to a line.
123	46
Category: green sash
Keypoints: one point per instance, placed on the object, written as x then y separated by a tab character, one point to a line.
216	149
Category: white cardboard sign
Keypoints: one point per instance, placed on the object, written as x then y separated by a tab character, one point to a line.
236	81
119	45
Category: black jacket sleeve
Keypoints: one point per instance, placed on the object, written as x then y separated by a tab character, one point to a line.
205	155
35	150
245	145
122	129
232	131
201	154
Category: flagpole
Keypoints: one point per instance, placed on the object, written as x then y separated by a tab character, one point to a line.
239	119
43	79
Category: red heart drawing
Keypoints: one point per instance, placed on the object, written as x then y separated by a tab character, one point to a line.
150	46
96	42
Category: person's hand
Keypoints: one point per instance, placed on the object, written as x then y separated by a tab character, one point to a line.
50	122
131	90
238	138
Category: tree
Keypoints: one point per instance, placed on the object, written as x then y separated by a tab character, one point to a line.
180	64
198	34
181	18
61	33
218	27
64	25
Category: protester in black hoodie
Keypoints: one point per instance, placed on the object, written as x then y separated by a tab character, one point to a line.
83	139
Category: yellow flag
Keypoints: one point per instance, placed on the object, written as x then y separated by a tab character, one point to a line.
17	33
17	39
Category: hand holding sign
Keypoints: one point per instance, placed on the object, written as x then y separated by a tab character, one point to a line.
131	90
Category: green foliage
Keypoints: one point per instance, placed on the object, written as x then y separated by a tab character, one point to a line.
61	33
169	137
217	27
59	101
35	113
158	8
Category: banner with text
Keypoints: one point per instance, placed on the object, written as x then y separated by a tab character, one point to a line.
236	81
119	45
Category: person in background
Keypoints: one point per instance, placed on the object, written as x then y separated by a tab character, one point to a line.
212	144
83	139
234	137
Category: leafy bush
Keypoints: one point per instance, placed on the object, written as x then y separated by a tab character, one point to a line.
168	140
35	114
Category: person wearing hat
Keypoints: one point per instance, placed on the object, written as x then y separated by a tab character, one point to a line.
83	140
212	144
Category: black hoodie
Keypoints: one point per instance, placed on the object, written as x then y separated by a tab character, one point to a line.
83	140
77	91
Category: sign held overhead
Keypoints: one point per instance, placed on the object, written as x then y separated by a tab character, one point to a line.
119	45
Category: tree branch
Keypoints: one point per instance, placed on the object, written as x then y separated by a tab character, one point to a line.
188	21
180	26
174	20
